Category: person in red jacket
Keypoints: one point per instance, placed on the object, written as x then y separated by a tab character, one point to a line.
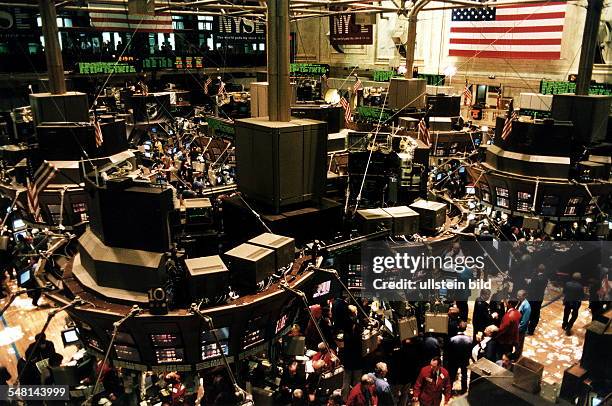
432	383
508	335
363	394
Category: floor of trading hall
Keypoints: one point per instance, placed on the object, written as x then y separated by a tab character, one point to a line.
549	345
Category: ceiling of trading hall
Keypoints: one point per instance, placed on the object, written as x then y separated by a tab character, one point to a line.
299	8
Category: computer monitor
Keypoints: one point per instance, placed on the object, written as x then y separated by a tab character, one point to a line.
470	190
322	289
389	325
25	277
65	375
70	336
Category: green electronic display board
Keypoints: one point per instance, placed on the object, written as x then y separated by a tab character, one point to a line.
309	69
433	79
383	75
373	114
129	64
221	128
559	87
105	67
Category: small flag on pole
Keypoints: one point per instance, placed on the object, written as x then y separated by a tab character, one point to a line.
98	130
221	90
207	84
357	86
499	98
424	132
467	95
36	184
510	117
347	109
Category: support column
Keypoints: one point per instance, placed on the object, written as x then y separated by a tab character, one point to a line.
53	52
589	44
410	45
412	35
279	100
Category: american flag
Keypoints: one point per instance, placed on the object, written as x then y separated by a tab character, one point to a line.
357	86
119	20
98	130
467	95
499	97
36	184
221	89
424	132
521	31
347	109
207	84
510	117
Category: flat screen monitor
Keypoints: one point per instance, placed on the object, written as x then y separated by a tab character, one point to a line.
70	336
470	190
281	323
389	325
255	333
222	334
17	224
127	353
25	277
165	340
169	355
322	289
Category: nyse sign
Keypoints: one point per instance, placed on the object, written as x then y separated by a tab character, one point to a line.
344	31
240	29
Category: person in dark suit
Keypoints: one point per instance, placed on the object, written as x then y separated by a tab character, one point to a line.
433	382
535	293
459	351
573	293
482	315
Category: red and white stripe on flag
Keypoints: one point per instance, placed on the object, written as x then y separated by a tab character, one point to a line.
117	20
98	130
522	31
42	178
424	132
348	114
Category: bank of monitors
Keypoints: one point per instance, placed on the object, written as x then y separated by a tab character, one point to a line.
210	349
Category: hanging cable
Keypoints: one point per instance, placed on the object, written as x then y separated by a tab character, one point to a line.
240	393
135	311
